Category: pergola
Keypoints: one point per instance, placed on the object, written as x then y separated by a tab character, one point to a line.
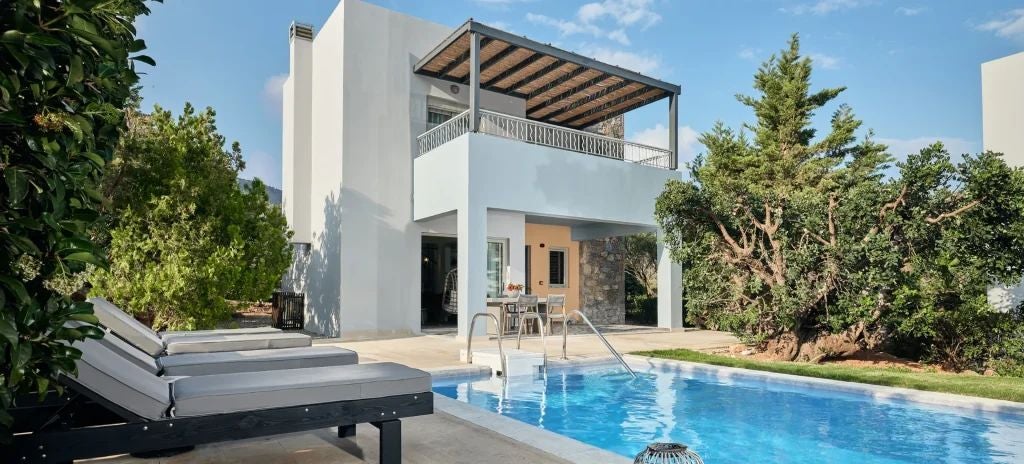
560	87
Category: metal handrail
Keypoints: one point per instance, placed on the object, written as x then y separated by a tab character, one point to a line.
519	339
565	332
540	133
469	342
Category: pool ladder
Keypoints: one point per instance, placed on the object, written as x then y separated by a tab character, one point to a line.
469	342
519	339
565	333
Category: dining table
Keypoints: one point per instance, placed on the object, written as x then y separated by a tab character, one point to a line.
498	305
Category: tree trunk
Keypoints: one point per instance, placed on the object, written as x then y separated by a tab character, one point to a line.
791	346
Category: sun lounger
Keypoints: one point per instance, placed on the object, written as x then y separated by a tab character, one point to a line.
114	406
192	364
136	333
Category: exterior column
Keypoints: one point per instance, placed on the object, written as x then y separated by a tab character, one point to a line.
472	265
670	288
474	81
673	129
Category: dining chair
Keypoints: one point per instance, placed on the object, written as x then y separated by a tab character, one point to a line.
524	303
556	311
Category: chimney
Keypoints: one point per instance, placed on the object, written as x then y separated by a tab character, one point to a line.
297	131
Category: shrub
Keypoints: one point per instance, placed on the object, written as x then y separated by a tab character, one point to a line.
66	72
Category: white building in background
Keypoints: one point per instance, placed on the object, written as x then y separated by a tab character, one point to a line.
1002	106
411	148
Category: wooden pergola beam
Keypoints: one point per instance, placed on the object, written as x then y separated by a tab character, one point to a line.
568	93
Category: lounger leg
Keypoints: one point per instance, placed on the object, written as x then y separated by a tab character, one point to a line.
390	441
346	431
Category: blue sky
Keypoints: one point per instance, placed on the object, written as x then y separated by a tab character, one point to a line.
912	68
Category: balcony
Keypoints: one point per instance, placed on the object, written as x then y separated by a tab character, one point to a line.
539	133
562	94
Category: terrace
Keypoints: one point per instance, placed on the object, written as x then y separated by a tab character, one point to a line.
563	94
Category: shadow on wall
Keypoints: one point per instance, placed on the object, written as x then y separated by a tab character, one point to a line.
321	269
322	274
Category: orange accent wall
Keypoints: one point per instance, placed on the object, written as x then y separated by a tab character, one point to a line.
559	237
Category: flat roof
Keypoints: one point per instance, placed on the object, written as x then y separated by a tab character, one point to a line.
560	87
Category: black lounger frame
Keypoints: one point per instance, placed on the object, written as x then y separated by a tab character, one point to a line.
82	425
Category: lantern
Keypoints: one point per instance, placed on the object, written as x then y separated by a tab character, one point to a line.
667	453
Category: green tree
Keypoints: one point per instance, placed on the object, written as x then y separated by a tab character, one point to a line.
798	242
66	71
183	236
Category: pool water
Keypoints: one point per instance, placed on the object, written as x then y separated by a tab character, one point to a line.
750	420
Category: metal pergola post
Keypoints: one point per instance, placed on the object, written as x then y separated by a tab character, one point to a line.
673	129
474	81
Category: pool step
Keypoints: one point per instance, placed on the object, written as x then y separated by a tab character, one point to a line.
519	362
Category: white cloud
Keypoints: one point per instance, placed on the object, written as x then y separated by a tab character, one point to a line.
1010	26
825	61
749	54
564	27
824	7
623	12
641	63
607	19
657	136
273	91
619	36
264	166
910	11
501	4
956	146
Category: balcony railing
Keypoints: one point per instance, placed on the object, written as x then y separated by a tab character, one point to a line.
511	127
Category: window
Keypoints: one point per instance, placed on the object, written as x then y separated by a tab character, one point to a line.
437	116
495	268
557	260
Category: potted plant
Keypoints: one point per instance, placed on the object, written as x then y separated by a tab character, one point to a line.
514	289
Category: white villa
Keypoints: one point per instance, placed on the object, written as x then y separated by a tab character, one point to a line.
411	148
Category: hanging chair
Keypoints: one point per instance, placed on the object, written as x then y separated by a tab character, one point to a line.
449	298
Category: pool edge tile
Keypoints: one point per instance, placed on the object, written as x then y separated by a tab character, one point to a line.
547	441
876	392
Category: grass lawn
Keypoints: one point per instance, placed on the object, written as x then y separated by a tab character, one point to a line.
1001	388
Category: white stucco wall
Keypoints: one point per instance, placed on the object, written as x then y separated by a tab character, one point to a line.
512	175
1002	103
323	270
367	110
296	138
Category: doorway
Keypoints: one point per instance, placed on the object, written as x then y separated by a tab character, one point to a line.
439	257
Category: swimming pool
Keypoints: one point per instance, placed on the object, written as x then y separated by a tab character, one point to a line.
742	420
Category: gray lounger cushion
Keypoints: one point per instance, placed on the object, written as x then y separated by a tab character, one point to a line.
121	381
193	364
226	393
129	352
179	344
244	331
127	327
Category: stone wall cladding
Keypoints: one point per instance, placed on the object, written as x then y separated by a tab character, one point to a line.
602	271
603	280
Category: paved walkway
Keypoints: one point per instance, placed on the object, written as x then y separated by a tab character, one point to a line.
439	437
442	351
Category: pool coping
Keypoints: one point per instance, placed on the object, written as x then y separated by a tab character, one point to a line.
876	392
561	446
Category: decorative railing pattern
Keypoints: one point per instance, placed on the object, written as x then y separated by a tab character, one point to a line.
503	125
444	133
